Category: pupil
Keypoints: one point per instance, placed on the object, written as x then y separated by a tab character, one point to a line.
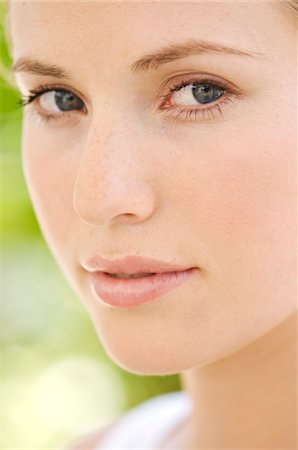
206	93
67	101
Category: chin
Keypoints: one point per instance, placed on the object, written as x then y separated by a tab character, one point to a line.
146	357
145	366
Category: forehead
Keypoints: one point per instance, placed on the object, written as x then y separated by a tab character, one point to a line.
91	24
115	33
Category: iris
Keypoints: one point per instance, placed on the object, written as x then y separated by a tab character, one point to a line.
206	92
67	101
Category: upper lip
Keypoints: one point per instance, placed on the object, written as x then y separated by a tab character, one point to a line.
131	265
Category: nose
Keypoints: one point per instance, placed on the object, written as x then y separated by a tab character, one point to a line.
113	182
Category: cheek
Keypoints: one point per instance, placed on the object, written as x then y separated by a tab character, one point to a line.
50	172
245	209
246	191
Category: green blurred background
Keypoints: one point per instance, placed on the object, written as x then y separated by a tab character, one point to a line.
57	382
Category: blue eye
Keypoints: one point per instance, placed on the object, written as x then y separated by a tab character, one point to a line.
54	100
206	92
199	92
67	101
198	98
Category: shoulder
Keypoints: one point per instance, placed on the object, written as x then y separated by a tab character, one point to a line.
91	440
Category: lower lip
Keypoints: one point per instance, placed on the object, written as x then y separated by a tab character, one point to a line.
128	292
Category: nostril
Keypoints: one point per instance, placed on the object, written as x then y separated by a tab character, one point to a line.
126	217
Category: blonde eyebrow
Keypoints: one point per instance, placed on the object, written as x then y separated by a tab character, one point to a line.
37	67
191	47
149	61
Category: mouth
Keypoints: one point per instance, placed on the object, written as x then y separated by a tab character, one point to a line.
122	290
126	275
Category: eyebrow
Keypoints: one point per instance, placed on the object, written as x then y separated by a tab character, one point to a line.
191	47
36	67
149	61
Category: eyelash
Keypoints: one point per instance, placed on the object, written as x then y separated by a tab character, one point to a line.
181	114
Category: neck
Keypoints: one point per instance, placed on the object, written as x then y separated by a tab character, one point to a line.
248	399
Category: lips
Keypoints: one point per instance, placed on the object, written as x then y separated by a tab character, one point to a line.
134	291
133	280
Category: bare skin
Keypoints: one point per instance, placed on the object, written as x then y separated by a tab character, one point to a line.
249	399
213	190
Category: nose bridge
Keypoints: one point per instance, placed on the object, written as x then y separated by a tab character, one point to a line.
110	152
112	182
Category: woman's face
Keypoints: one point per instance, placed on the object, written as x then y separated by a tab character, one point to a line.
202	176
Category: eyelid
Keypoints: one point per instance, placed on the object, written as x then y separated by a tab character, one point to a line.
197	77
71	119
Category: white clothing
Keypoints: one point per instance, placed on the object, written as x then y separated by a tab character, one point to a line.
145	426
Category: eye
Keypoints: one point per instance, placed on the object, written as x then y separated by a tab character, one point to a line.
57	101
53	102
198	93
198	99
